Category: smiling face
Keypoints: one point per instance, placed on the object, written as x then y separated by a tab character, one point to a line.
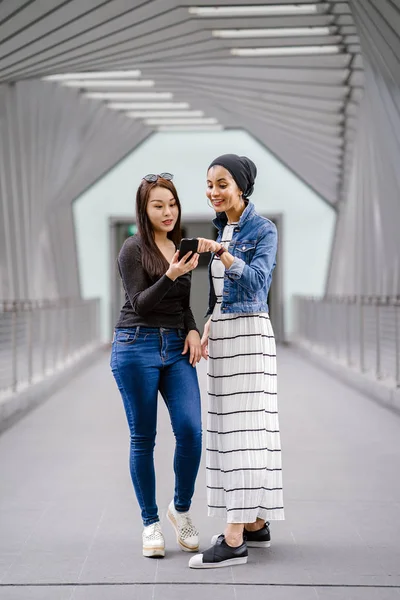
222	190
162	209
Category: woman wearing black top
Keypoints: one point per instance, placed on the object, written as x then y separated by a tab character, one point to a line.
156	345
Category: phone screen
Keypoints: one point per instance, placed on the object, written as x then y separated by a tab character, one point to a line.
188	245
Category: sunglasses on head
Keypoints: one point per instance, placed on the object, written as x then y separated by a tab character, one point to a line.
151	177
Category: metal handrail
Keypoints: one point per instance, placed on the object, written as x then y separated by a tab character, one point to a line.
40	337
361	332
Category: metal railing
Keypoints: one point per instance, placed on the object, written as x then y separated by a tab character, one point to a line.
361	332
37	338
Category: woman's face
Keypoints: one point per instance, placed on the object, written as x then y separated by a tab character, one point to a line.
222	189
162	210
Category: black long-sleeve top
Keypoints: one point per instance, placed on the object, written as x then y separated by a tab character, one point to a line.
152	302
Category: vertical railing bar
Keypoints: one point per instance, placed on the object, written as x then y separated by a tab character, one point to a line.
14	380
397	342
378	339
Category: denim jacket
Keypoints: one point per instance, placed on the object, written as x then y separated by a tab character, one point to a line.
247	281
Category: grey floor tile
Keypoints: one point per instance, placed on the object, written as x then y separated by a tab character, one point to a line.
251	573
358	594
6	562
17	526
369	581
113	592
118	567
182	574
36	593
250	592
194	591
278	564
44	567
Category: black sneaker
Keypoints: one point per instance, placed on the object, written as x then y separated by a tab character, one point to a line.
260	538
220	555
254	539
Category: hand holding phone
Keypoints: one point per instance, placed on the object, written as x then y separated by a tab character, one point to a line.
188	245
187	248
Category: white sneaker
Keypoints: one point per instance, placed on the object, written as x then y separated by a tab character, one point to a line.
187	535
153	541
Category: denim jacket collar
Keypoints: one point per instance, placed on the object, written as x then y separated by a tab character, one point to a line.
221	220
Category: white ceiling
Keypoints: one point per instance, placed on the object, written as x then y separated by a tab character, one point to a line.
302	108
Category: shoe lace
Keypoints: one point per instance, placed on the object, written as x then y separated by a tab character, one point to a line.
153	531
185	525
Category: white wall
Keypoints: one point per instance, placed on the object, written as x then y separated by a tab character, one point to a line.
308	221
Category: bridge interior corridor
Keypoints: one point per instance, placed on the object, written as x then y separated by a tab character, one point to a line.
70	526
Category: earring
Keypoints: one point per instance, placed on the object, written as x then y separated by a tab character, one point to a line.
208	203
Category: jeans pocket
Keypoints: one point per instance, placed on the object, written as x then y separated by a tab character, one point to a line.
126	337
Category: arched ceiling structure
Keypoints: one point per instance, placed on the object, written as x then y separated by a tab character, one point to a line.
316	82
293	79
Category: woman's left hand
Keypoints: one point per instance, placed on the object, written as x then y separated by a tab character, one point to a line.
207	245
193	344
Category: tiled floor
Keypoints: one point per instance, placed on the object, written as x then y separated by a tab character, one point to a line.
70	527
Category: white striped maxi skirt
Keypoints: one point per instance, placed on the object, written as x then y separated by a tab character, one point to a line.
244	464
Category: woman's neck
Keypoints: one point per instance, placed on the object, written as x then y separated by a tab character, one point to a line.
234	213
160	238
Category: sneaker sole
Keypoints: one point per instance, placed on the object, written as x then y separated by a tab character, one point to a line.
231	562
258	544
154	552
180	542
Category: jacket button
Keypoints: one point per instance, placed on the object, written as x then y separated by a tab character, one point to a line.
243	247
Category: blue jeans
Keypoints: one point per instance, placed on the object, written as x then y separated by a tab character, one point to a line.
145	361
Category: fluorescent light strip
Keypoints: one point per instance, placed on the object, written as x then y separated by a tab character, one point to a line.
285	51
149	105
206	121
273	32
109	83
162	114
93	75
129	95
252	11
178	128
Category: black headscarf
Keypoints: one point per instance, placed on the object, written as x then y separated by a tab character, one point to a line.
242	169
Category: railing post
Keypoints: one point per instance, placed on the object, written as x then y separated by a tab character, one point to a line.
65	331
397	341
29	339
348	330
331	320
338	317
361	334
378	338
14	382
43	335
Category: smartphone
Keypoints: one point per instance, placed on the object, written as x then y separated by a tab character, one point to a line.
188	245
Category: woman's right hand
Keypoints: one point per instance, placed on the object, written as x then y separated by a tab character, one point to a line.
180	267
204	339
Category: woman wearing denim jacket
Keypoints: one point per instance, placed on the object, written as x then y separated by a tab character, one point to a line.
155	347
244	472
